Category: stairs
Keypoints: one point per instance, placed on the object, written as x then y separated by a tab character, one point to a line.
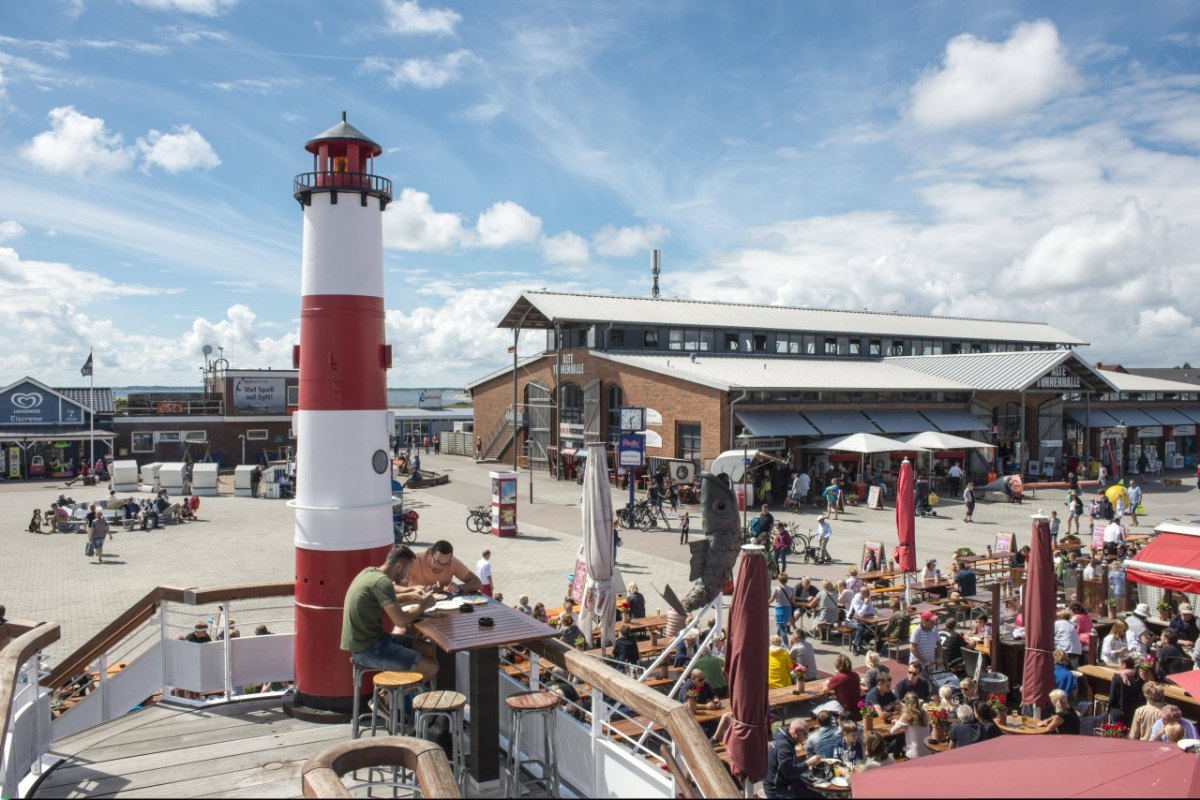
501	439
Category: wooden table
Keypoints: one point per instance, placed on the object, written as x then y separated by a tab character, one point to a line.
1099	677
1029	727
879	575
937	747
455	632
646	648
784	696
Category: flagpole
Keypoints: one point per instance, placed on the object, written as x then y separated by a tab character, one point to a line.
92	406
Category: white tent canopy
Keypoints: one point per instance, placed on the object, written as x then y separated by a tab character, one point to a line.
730	462
935	440
862	443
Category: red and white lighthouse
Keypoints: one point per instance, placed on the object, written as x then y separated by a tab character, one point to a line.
343	497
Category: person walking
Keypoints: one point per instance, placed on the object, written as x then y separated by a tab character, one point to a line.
1135	500
483	568
673	497
969	502
781	602
781	545
685	525
437	445
99	532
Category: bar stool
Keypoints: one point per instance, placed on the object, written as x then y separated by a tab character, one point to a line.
451	707
356	713
521	706
396	686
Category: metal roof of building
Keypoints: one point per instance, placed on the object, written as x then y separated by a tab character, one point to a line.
538	309
1180	374
1001	372
103	398
1127	382
795	374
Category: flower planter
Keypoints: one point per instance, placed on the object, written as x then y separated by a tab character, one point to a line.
868	723
798	687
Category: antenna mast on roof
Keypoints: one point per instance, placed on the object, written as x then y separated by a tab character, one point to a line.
655	259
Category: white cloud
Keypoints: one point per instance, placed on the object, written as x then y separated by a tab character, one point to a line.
38	282
411	223
407	17
183	150
263	86
11	229
77	144
203	8
507	223
1167	321
483	112
565	248
981	82
621	242
423	73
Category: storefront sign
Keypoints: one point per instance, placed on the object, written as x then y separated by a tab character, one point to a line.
569	366
631	450
770	443
1050	443
1183	430
29	404
1150	432
259	395
430	398
1058	378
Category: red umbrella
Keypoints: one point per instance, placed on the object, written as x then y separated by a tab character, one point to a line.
1040	766
906	524
746	667
1037	680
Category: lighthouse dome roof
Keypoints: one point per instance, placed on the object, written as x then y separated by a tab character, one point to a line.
343	131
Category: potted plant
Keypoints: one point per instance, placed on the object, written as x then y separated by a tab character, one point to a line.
939	722
1110	606
623	608
852	498
963	551
1114	730
1165	609
693	698
799	675
868	714
998	704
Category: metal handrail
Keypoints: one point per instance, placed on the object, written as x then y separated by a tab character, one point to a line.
12	658
307	182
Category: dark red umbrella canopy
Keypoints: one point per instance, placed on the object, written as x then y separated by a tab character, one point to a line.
906	523
1040	766
746	667
1038	679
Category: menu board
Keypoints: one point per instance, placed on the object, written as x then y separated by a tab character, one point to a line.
875	497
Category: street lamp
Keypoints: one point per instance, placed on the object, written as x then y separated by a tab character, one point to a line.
744	438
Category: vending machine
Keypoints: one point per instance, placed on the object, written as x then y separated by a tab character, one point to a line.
504	503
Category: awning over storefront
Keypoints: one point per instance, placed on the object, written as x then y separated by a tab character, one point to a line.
776	423
1133	417
898	421
1169	416
839	423
1169	561
1191	413
1098	419
50	434
953	420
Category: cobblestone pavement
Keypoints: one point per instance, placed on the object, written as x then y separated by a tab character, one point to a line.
242	540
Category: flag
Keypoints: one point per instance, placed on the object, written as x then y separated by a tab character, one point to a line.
86	369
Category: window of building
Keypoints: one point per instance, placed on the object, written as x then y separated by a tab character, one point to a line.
650	339
143	442
731	342
897	349
875	347
688	440
691	340
616	338
256	434
195	436
856	347
707	339
616	399
976	347
168	437
760	343
747	341
810	344
293	395
572	403
675	339
830	346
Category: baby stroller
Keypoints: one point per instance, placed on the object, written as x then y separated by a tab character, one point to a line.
925	500
404	524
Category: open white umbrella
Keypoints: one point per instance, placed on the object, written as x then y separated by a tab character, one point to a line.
936	440
599	601
862	443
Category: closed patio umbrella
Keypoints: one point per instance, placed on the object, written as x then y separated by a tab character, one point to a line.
599	602
1038	678
746	667
906	523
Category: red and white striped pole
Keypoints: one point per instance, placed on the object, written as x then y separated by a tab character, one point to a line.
343	468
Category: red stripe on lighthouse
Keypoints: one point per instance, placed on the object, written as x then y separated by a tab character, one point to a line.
342	353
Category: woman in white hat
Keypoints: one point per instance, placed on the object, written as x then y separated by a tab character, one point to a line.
1184	625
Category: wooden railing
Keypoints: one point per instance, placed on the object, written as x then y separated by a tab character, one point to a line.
693	746
321	775
14	654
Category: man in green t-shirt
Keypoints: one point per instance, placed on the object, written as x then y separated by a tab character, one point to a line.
372	594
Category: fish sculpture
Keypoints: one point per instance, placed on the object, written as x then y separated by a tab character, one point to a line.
714	555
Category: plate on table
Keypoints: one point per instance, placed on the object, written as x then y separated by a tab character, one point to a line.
451	604
474	599
411	608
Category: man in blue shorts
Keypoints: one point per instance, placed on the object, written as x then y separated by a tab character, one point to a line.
372	594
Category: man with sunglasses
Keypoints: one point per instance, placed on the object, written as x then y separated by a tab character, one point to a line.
436	570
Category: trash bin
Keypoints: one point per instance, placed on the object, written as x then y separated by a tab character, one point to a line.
740	492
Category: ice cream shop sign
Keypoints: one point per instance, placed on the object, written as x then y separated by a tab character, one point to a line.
30	404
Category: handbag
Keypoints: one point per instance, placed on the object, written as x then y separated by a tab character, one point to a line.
88	550
1141	510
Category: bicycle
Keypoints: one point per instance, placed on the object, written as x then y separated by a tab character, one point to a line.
480	519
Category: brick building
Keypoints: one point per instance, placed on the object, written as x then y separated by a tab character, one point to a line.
786	377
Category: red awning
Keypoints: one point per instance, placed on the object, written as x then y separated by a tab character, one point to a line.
1188	681
1170	561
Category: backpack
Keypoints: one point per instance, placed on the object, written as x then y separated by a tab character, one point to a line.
756	526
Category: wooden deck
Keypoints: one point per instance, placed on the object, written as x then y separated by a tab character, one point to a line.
238	750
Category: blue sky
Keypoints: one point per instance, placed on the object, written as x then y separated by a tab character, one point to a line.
1024	161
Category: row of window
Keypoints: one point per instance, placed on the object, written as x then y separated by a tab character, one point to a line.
146	441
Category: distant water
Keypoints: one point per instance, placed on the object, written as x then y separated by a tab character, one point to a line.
396	397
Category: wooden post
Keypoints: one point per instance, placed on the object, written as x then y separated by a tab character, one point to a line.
994	645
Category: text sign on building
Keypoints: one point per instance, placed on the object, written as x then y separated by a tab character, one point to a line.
631	450
28	404
1150	431
259	395
1058	378
569	366
429	398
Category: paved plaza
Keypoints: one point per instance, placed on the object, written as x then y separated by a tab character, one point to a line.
242	540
